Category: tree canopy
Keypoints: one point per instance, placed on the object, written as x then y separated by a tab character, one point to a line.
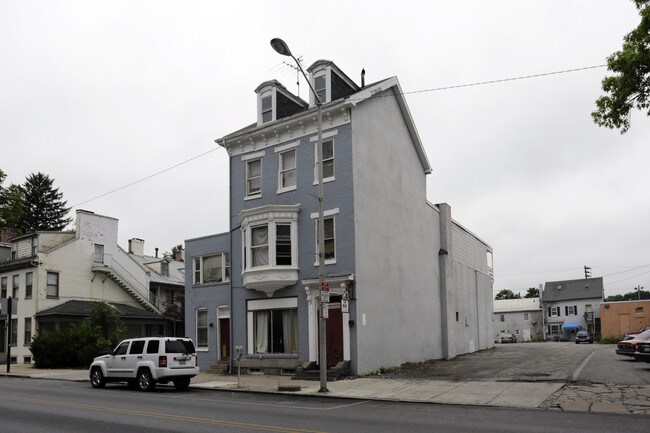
532	292
507	294
630	296
629	87
44	207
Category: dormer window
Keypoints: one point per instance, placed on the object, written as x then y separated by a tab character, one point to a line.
267	108
320	86
275	102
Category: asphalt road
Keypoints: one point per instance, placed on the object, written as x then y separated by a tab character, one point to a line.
595	363
38	406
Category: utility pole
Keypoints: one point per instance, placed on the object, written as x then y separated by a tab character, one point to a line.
638	291
587	272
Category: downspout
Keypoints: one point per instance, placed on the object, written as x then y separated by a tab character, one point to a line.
446	282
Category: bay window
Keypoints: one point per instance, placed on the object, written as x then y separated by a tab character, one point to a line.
270	246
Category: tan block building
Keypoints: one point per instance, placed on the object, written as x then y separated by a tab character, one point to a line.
618	318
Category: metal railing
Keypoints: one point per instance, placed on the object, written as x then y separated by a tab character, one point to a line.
128	278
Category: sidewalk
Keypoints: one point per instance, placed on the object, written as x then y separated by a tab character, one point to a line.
547	395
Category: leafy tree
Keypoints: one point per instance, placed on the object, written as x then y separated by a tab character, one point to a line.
105	317
44	207
630	296
11	206
532	292
629	87
507	294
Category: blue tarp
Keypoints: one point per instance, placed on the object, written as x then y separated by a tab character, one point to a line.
571	325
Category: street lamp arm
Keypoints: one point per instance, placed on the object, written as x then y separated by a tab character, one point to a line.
282	48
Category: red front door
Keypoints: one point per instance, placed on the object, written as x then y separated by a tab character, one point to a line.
224	338
334	334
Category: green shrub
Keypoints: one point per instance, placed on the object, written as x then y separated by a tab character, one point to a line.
610	340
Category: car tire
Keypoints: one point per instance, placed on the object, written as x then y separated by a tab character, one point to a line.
145	382
182	384
97	379
577	342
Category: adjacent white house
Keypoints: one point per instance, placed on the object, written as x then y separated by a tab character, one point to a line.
572	305
522	318
53	278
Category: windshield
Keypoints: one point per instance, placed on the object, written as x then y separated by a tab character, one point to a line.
643	336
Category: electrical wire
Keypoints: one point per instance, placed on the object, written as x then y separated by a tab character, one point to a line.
147	177
283	64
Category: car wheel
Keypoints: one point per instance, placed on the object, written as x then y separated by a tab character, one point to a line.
577	342
97	379
145	381
182	384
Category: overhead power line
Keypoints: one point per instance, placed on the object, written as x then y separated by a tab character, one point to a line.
146	178
435	89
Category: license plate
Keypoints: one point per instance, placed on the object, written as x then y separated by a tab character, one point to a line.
646	349
181	362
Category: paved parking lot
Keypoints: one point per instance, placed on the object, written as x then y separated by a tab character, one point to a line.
530	362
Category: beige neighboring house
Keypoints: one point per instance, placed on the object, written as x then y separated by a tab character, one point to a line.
48	273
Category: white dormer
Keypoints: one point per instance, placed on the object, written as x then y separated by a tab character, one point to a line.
329	82
274	102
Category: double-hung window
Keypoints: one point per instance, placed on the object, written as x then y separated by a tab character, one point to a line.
287	170
329	236
253	177
554	311
328	160
212	269
320	87
571	310
202	328
98	256
29	284
28	331
15	284
3	287
34	246
267	108
52	285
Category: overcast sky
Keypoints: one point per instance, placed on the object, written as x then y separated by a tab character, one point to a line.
101	94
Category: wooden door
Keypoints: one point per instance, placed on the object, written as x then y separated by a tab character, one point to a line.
334	335
224	338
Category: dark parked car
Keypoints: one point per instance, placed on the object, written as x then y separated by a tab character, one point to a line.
584	337
628	347
642	351
631	335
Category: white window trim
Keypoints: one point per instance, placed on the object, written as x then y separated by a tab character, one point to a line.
286	147
326	215
328	85
555	311
269	216
201	269
325	179
264	304
248	195
196	329
280	170
261	96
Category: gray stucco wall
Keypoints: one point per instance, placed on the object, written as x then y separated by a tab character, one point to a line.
397	233
209	296
515	322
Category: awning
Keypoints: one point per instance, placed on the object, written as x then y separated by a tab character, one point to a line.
571	325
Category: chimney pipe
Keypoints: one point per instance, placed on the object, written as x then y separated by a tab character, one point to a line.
363	77
156	252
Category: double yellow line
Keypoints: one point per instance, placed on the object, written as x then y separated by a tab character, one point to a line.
159	415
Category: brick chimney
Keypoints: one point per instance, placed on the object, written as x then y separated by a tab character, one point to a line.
180	255
136	246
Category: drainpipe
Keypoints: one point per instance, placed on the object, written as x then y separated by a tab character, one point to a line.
447	315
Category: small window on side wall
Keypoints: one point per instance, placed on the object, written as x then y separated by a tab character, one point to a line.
253	177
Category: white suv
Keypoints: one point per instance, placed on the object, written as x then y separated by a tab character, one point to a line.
143	362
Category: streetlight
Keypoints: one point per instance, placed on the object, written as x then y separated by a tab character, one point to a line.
282	48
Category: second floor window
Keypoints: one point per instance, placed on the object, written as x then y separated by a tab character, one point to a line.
15	284
253	177
571	310
3	287
212	269
554	311
52	284
330	239
29	283
502	317
525	316
98	257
